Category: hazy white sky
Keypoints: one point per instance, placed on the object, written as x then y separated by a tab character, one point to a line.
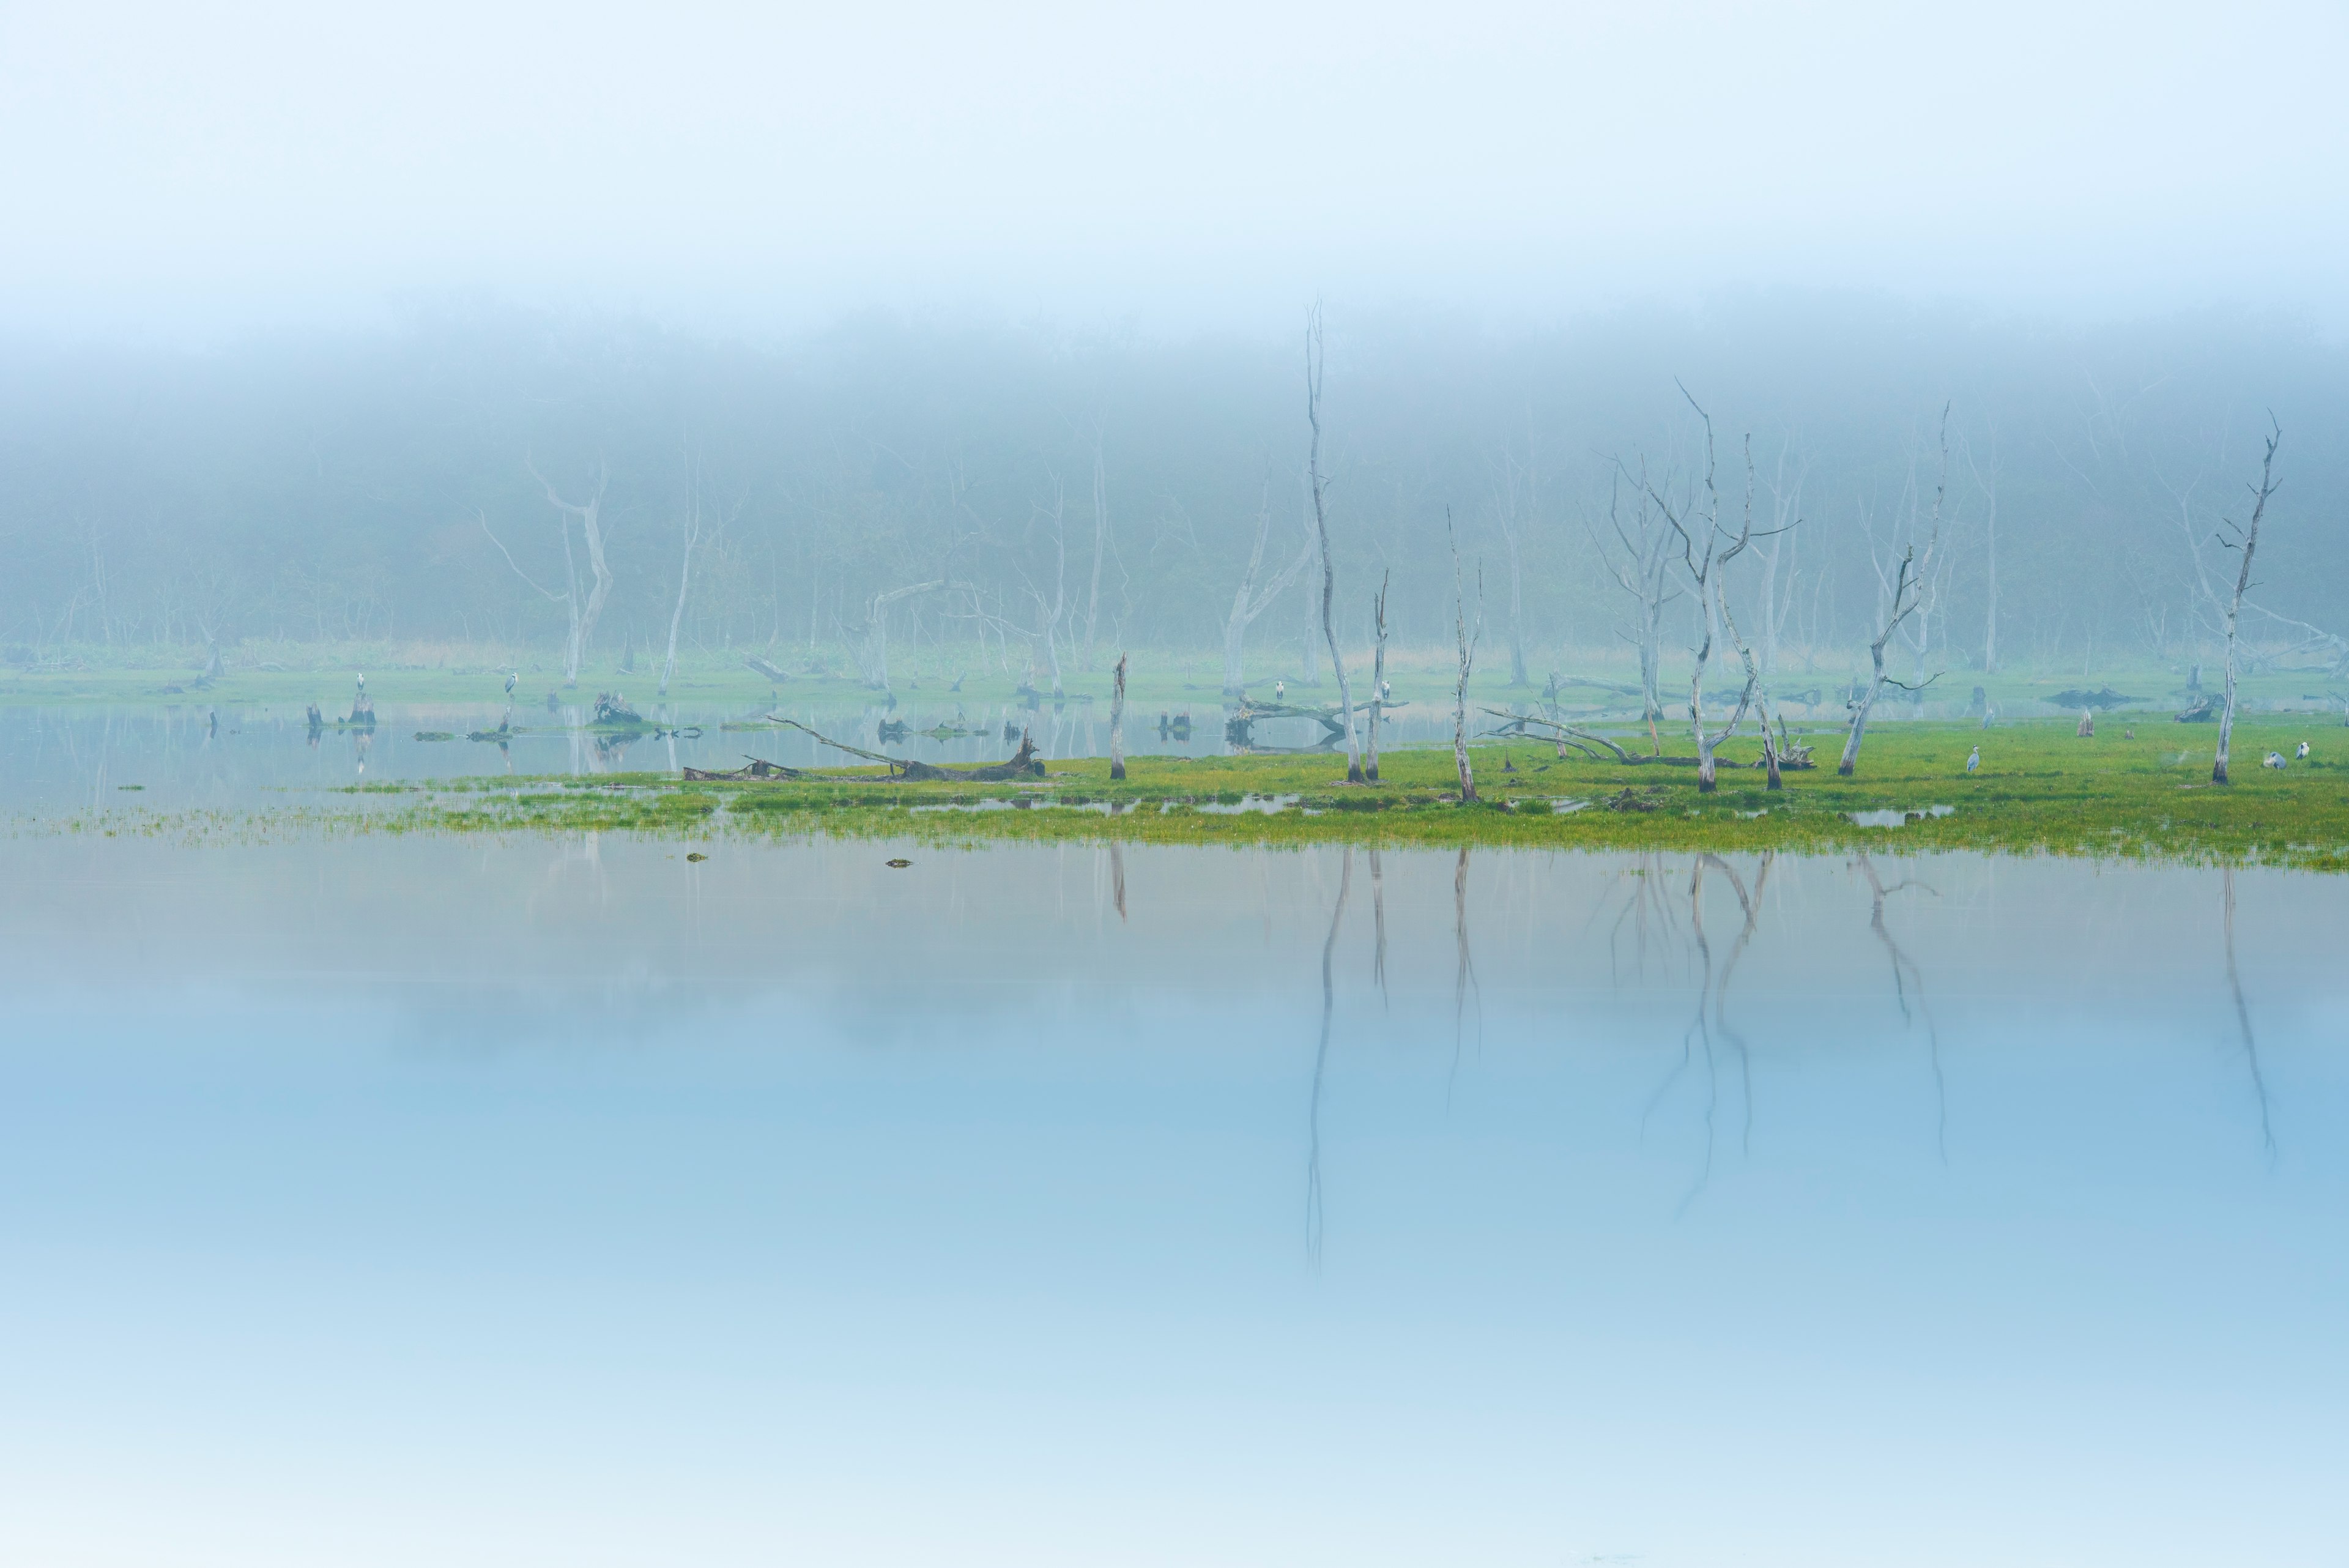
191	167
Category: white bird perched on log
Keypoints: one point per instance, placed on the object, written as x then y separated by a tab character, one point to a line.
1281	690
1973	759
2275	760
511	680
2303	752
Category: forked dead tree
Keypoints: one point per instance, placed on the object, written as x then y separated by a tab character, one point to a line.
1313	366
1906	589
2244	538
1703	561
1641	563
1249	601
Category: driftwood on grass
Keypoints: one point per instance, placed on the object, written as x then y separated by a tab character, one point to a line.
1023	765
758	768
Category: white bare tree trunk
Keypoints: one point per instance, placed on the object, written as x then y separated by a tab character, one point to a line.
1117	722
1313	364
684	580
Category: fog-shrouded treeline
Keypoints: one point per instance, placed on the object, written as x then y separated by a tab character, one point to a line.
494	475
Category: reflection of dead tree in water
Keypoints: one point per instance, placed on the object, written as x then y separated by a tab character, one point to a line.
1464	979
1752	908
1321	1059
1647	902
2244	1017
1906	974
1378	921
1117	876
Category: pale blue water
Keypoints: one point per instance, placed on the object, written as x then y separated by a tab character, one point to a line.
523	1201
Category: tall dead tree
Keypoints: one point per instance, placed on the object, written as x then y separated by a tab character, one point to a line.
2245	538
1987	485
1467	649
1905	588
869	645
1249	602
1313	366
1516	498
582	613
1703	561
1378	679
1757	691
690	524
1100	550
1777	607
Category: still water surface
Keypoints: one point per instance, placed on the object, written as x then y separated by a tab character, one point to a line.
560	1200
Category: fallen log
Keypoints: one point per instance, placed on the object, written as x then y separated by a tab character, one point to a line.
1023	765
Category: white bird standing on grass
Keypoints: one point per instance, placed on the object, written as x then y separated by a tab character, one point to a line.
1281	690
2275	761
2303	752
1973	759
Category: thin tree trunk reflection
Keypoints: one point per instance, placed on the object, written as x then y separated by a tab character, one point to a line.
2243	1015
1320	1060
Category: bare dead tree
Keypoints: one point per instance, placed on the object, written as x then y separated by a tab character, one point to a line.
1308	659
1703	563
590	514
1313	369
1755	692
1643	570
1516	500
1248	603
1100	550
1786	504
691	526
1987	485
1905	588
870	644
1378	678
1117	722
1467	648
2246	540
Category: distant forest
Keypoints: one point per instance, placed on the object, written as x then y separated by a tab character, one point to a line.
494	475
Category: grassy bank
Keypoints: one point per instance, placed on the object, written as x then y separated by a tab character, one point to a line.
2039	789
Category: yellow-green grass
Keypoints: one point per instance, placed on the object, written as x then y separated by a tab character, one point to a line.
2039	789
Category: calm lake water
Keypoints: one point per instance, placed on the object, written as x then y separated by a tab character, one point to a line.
512	1199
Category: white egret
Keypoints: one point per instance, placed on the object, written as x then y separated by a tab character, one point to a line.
1973	759
511	680
2303	752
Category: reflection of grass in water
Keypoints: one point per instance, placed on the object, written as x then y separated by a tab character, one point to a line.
2040	788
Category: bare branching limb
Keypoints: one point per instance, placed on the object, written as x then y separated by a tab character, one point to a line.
1905	590
1248	602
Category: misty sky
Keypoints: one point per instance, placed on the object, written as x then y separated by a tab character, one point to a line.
199	169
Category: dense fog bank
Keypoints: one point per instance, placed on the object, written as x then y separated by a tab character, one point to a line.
1076	491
